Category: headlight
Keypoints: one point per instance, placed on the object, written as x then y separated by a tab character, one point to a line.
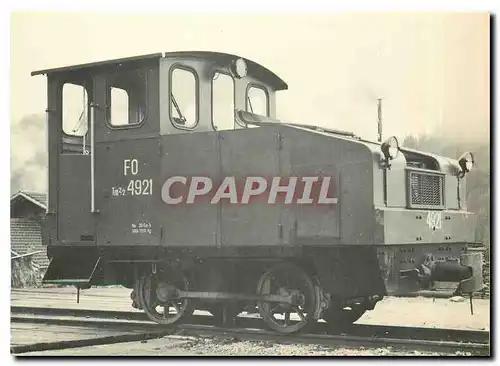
240	68
466	162
390	148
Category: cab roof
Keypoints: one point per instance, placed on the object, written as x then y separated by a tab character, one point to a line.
254	68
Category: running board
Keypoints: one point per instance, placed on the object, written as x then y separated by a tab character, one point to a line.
71	271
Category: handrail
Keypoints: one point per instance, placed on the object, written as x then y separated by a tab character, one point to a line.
258	120
93	107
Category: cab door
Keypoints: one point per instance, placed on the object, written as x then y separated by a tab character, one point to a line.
127	157
69	103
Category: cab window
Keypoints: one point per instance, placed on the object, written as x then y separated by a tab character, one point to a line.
183	98
126	98
222	102
75	104
257	101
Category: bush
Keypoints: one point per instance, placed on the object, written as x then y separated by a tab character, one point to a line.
24	273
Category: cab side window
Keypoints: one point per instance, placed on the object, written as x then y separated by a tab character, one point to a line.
222	102
75	110
183	98
126	98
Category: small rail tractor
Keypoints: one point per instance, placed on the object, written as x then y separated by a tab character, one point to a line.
171	175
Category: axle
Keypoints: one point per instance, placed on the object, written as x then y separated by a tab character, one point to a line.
289	300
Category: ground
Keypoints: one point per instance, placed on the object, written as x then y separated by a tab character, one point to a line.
191	346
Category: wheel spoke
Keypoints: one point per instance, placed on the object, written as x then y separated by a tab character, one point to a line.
177	308
153	302
287	318
274	309
266	286
273	277
147	288
300	313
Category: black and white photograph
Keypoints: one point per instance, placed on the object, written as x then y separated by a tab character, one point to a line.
189	184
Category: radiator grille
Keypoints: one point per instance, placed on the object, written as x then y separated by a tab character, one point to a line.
426	190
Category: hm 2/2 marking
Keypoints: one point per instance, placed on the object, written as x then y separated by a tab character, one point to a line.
434	219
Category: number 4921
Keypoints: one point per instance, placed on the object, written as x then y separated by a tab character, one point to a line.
138	187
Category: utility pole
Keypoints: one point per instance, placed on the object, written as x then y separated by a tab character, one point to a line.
379	118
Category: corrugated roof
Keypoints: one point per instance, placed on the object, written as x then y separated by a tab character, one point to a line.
35	197
26	236
40	197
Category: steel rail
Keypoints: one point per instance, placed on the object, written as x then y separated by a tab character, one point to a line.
408	338
459	335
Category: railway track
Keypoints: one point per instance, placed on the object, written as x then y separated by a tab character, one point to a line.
137	328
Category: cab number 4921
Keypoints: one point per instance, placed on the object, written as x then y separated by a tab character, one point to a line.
138	187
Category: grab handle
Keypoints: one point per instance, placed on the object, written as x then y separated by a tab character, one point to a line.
93	107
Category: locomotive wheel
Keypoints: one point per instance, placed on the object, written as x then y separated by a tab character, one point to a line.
285	280
156	293
339	319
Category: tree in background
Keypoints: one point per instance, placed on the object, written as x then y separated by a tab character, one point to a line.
28	154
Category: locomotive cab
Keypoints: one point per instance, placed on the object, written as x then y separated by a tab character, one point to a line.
158	182
105	122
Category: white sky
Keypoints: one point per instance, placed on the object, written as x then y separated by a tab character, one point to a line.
431	69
